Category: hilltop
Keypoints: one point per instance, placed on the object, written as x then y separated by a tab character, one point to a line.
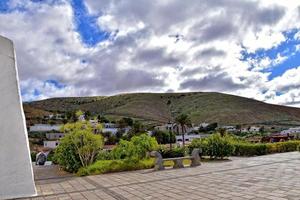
162	107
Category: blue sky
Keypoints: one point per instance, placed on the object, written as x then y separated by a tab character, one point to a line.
87	47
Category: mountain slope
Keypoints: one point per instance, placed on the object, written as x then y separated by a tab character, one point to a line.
161	107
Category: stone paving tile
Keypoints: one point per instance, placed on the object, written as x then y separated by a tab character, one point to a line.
274	176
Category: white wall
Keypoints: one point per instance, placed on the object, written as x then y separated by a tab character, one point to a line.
51	144
44	127
16	177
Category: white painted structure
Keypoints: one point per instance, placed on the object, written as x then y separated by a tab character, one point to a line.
112	130
51	144
291	131
44	128
54	136
16	176
203	125
189	138
254	129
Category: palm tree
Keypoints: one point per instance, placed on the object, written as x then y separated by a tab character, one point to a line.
183	120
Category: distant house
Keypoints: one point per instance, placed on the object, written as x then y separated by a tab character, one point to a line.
173	127
244	130
54	136
44	128
81	118
203	125
190	138
229	128
111	130
93	122
51	144
294	130
254	129
110	125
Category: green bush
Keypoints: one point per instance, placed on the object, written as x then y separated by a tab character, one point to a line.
172	153
215	146
104	155
280	147
33	156
136	148
79	147
107	166
298	148
250	149
163	137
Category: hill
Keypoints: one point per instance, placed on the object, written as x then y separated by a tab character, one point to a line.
162	107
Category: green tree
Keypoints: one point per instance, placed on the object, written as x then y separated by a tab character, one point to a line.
136	148
183	120
79	147
87	115
163	137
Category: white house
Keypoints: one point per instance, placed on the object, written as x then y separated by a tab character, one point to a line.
44	128
51	144
110	125
81	118
254	129
291	131
229	128
112	130
189	138
203	125
54	136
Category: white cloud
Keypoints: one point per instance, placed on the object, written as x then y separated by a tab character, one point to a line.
158	46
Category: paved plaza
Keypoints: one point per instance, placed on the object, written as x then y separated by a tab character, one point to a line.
274	176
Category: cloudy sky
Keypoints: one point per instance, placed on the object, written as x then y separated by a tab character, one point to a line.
87	47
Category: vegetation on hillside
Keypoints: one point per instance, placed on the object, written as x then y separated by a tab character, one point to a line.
161	108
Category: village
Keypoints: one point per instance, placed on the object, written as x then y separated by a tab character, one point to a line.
47	135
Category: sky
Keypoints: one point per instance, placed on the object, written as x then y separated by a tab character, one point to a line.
249	48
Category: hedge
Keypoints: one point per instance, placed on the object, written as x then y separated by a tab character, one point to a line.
249	149
107	166
172	153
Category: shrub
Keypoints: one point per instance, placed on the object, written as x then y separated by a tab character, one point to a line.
172	153
104	155
215	146
33	156
249	149
107	166
79	147
280	147
163	137
298	148
136	148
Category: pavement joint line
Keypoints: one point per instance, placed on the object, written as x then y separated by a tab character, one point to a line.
105	189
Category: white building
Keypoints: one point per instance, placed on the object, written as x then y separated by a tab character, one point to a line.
81	118
44	128
229	128
51	144
189	138
291	131
110	125
203	125
254	129
54	136
112	130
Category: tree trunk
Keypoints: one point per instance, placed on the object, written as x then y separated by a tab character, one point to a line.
183	140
